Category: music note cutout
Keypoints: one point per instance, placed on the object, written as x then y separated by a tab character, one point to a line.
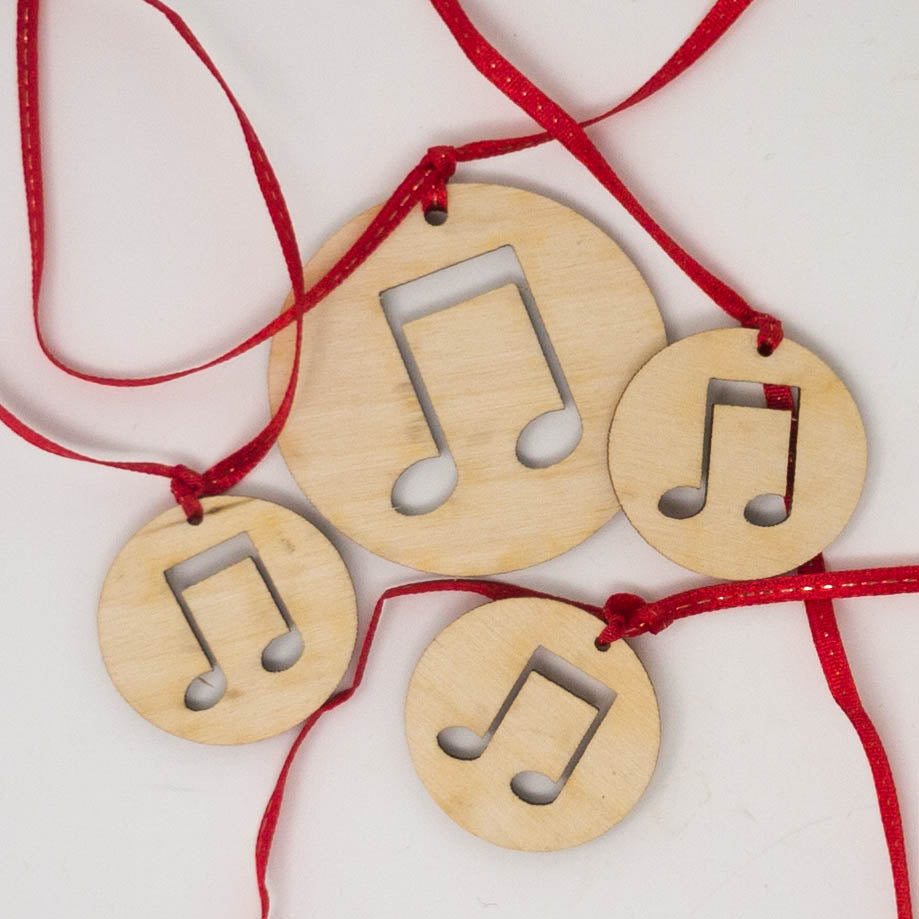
530	785
543	441
733	400
280	653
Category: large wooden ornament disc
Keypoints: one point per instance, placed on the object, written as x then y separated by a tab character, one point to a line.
356	422
152	655
656	443
465	677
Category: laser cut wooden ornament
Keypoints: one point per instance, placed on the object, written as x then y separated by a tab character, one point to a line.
690	464
524	732
230	631
460	383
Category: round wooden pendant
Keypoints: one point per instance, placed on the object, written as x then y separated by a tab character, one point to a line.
524	732
455	420
229	631
703	466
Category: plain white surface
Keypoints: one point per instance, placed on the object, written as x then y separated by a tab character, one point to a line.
786	159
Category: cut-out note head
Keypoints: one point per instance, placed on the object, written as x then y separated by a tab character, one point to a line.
767	510
535	787
283	651
682	501
550	437
425	485
205	690
461	742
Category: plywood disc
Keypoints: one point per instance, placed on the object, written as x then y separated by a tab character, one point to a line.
684	432
229	631
457	385
524	732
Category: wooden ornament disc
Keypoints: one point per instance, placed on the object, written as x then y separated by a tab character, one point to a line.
496	673
152	654
357	422
657	442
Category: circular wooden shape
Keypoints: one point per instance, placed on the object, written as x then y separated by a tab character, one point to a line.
358	424
501	677
658	443
260	563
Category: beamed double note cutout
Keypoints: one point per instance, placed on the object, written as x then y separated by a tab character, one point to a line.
544	440
545	669
281	652
731	406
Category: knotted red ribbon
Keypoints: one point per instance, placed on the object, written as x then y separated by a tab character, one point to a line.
628	615
425	184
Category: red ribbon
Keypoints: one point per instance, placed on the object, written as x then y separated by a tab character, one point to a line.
425	184
828	642
563	128
835	663
628	615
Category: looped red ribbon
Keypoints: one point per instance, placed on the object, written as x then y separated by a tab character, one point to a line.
628	615
426	183
442	162
188	487
621	614
770	328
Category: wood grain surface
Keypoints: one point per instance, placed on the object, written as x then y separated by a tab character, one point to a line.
656	442
464	678
357	424
152	654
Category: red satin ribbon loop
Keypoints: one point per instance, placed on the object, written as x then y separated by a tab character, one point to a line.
622	615
558	124
187	487
627	615
442	161
770	328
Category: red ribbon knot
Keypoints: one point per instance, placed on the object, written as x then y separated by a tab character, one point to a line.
441	161
770	328
624	615
188	487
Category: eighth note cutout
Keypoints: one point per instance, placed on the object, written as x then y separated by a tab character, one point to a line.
683	501
531	786
544	441
281	653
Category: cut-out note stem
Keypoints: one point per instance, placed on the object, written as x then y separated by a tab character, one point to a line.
532	786
206	689
683	501
545	440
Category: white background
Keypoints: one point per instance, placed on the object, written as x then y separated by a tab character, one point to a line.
786	158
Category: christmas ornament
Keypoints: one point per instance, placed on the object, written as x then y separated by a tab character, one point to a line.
463	430
230	631
234	629
730	489
622	616
491	714
525	732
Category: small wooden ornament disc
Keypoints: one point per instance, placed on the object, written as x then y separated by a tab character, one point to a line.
152	654
656	444
481	666
357	423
